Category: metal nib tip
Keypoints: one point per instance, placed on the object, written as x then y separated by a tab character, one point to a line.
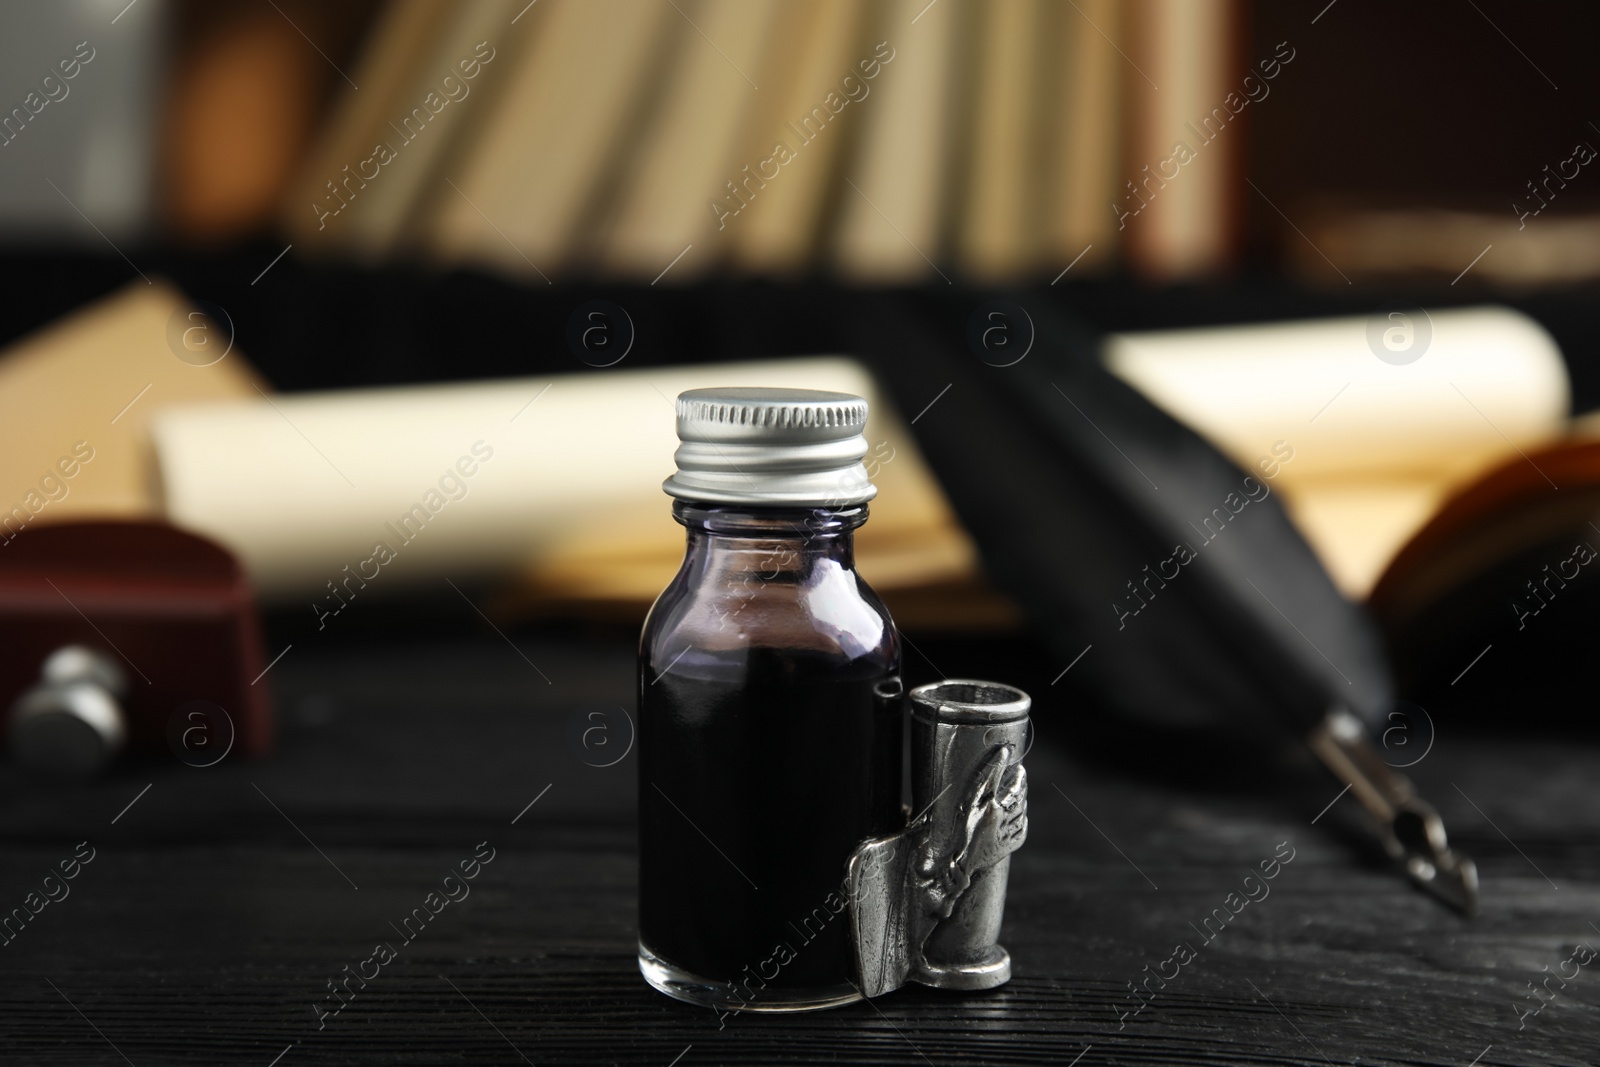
1425	852
1407	826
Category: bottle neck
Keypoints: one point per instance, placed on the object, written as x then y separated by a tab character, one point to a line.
785	534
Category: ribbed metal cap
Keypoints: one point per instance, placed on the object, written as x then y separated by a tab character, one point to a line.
788	447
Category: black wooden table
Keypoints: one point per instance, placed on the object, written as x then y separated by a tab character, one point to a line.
222	902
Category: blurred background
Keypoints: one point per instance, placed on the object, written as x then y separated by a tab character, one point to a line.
230	230
338	350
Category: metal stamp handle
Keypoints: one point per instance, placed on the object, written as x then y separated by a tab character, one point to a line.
71	723
926	903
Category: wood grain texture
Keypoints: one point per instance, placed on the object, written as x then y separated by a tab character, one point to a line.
206	926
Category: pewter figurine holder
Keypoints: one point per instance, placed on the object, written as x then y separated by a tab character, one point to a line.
926	903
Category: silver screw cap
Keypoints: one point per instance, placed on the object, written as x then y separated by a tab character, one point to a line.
772	447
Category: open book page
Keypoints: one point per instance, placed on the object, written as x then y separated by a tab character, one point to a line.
1369	422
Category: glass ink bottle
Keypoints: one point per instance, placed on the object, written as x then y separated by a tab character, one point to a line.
770	723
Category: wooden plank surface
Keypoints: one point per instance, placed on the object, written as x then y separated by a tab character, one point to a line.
219	904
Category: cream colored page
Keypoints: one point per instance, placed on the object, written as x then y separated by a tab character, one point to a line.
1356	529
1487	380
88	385
1374	444
574	470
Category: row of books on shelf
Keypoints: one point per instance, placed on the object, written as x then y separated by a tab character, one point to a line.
895	141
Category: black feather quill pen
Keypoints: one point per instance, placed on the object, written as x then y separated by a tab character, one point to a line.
1123	533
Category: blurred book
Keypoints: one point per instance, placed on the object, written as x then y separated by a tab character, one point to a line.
683	158
891	142
897	180
1187	106
516	201
429	71
1083	134
999	221
807	48
245	85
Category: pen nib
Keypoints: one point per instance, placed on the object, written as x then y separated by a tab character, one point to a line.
1408	827
1417	839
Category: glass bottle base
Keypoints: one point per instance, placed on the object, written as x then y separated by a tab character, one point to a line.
679	984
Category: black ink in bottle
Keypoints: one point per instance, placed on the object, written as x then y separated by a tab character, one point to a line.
770	719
